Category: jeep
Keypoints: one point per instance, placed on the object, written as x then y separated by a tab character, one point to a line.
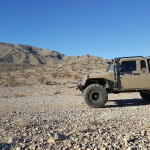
124	74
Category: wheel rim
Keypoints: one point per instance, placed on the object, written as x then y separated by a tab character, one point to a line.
94	96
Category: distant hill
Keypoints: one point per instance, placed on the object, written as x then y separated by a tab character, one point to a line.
29	55
24	54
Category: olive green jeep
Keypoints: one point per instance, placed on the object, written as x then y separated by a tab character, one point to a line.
124	74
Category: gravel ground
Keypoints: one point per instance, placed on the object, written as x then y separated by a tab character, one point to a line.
55	117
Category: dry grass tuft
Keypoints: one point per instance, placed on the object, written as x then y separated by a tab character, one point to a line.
41	79
55	75
77	77
93	123
4	96
62	75
63	83
68	75
55	92
1	76
12	78
26	75
16	95
47	82
78	94
11	81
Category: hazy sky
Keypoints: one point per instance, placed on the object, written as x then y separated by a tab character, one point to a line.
104	28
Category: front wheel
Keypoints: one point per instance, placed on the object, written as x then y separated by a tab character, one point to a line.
145	95
95	95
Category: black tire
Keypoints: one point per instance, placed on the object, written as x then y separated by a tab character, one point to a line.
145	95
95	96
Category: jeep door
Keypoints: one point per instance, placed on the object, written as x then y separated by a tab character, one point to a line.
129	75
144	74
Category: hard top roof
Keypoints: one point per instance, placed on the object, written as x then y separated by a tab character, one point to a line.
118	58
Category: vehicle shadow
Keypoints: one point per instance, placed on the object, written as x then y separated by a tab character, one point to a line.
126	103
5	146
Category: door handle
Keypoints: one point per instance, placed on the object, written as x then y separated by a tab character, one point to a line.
136	74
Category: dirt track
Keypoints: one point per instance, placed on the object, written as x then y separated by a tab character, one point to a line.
29	115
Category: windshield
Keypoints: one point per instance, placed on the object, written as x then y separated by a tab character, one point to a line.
110	68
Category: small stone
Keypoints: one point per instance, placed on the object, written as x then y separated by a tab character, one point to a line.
18	112
18	148
101	131
50	140
102	148
58	136
32	147
10	140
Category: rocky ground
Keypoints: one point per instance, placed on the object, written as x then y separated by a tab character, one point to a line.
56	117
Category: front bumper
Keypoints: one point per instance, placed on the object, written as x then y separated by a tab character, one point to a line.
80	87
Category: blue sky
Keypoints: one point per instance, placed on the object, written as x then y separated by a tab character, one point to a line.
104	28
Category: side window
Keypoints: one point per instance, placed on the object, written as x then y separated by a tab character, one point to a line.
148	64
143	65
128	66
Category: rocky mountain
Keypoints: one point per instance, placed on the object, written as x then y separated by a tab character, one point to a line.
24	54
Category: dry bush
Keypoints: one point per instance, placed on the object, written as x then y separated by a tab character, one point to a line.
77	77
1	76
78	94
47	82
93	123
11	81
55	75
88	68
67	75
55	92
63	83
12	78
69	85
25	75
41	79
4	96
18	95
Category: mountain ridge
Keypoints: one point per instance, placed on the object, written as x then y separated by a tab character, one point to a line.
26	54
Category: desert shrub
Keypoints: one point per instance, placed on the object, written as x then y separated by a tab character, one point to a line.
26	75
4	96
55	92
12	78
93	123
63	83
46	82
1	76
55	75
88	68
12	81
18	95
78	94
67	75
77	77
41	79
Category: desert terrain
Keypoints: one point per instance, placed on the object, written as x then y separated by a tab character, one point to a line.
39	108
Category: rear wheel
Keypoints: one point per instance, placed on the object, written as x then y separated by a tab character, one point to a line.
95	95
145	95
